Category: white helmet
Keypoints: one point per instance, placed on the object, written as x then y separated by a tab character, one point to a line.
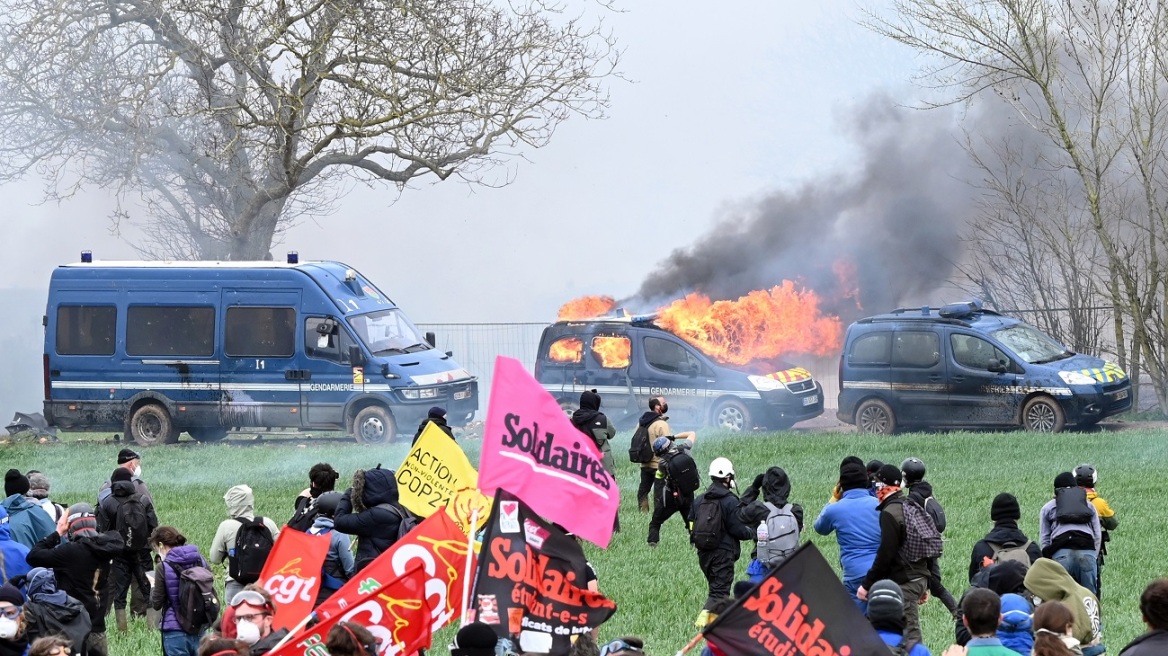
721	468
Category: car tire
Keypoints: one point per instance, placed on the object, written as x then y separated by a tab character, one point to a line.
732	415
1042	414
151	425
374	425
876	417
207	433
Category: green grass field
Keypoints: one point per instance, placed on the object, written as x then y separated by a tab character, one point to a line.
659	592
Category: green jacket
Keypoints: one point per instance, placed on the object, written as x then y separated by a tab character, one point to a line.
1050	582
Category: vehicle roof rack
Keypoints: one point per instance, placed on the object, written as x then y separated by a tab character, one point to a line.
931	318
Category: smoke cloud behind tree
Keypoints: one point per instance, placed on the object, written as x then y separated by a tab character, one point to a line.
892	227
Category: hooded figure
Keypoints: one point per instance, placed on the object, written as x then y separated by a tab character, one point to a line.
436	416
12	553
1049	581
370	511
1004	513
588	419
774	486
240	503
1016	629
49	611
27	523
82	564
1005	578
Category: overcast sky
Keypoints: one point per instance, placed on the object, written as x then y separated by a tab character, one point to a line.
726	102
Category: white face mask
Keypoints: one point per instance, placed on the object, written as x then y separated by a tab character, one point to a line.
248	632
137	471
7	628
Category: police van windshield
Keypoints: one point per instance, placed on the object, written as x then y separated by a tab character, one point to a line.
1031	344
388	331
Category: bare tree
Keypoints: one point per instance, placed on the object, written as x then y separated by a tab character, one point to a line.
231	119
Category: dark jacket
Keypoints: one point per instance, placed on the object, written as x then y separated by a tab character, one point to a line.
139	487
266	643
440	423
1152	643
375	527
588	419
889	564
922	493
27	523
81	567
17	646
13	554
49	611
735	531
1005	533
166	596
120	492
775	488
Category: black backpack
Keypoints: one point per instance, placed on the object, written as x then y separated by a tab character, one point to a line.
408	519
253	543
681	472
131	522
640	450
904	648
198	606
1071	506
706	533
305	514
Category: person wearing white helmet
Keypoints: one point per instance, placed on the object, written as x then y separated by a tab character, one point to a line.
1087	477
716	532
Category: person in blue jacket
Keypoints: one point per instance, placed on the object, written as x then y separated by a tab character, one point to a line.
12	553
338	564
856	523
886	614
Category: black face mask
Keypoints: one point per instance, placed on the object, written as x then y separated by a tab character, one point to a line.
665	408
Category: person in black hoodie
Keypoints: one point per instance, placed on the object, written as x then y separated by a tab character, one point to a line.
436	416
82	565
369	510
717	564
49	611
921	492
775	488
321	478
588	419
1005	534
128	567
1007	577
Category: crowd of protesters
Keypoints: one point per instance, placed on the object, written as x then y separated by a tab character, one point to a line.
64	569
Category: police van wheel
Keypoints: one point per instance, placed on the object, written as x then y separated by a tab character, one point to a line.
875	416
207	433
151	425
374	425
1043	414
732	416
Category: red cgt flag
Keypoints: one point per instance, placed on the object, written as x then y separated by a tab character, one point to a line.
396	613
439	546
292	575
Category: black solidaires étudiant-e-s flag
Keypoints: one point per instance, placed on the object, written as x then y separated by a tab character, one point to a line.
799	609
531	581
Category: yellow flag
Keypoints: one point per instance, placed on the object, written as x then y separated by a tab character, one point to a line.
436	473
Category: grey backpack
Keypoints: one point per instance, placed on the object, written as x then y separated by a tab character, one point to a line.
782	535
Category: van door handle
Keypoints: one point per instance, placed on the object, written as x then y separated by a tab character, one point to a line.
959	379
297	374
936	378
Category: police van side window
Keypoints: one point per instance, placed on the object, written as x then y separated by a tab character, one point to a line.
86	329
665	355
873	349
916	349
174	331
566	350
326	339
260	332
612	351
976	353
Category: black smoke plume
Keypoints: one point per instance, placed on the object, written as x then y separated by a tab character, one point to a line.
896	222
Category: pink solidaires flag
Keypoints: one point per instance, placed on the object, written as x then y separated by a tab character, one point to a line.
532	450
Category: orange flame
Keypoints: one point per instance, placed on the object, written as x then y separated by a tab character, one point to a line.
586	307
568	349
761	325
614	351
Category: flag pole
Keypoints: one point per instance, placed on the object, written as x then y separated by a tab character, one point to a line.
470	539
692	643
291	634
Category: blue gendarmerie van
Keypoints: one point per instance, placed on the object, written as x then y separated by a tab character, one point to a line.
157	348
964	366
628	360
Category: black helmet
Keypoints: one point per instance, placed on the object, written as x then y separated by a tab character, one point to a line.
1086	476
913	470
326	504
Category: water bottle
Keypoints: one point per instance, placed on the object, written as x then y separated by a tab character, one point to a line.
761	534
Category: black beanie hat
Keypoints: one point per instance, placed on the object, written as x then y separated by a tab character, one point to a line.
853	476
854	460
474	639
1065	479
15	483
889	475
1007	577
1005	507
121	474
126	455
874	466
11	594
